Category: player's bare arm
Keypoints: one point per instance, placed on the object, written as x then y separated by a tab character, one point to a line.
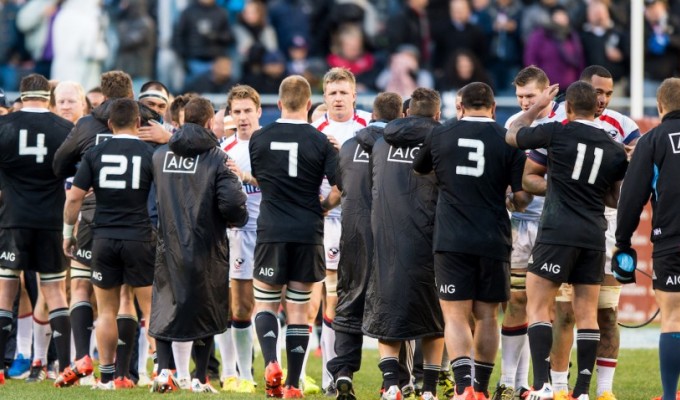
74	199
245	176
154	132
332	200
612	198
533	179
528	117
518	201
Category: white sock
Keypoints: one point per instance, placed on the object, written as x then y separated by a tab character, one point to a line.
605	368
143	352
225	344
327	352
446	363
511	351
93	338
560	380
281	342
42	333
24	335
522	374
243	341
182	353
303	372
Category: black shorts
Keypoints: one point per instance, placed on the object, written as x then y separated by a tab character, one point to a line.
115	262
280	263
667	272
83	253
567	264
462	276
32	250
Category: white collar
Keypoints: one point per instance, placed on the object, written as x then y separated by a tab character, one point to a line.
291	121
35	110
124	136
478	119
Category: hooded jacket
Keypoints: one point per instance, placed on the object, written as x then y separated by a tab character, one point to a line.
198	198
401	300
356	241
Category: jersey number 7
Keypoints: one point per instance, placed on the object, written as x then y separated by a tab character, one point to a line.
292	149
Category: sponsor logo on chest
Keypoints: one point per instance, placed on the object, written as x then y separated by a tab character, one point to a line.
174	164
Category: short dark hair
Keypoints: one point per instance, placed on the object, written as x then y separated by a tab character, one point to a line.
531	73
96	89
582	98
123	113
592	70
35	87
668	94
154	84
198	110
178	105
424	102
116	85
476	96
387	106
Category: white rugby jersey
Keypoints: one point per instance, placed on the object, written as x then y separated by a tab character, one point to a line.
342	131
238	151
535	208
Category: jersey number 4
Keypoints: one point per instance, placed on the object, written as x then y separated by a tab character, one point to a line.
578	166
39	150
292	149
119	169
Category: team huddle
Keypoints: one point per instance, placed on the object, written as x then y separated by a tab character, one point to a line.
414	232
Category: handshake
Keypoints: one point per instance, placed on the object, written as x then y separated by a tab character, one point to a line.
624	263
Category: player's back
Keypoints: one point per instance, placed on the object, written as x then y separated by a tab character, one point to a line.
33	197
120	172
289	160
474	167
583	163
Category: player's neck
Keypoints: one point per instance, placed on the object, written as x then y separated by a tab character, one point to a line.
294	115
36	104
243	137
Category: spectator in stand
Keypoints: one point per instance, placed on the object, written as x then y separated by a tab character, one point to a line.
505	52
603	43
11	46
462	68
556	49
253	29
535	16
481	16
300	64
217	80
268	77
411	26
457	33
136	42
404	75
290	18
350	51
662	45
78	43
35	21
5	106
202	34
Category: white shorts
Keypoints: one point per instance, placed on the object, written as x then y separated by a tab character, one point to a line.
331	242
523	240
610	242
241	254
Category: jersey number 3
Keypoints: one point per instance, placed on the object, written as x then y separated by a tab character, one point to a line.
118	170
578	166
477	155
292	149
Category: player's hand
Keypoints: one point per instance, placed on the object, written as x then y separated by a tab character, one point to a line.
624	263
155	133
334	142
547	96
69	246
324	206
231	164
629	150
509	203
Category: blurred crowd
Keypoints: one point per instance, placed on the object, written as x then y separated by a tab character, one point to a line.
206	46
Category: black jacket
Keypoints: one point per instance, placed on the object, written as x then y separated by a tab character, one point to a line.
202	32
356	240
653	172
198	198
401	300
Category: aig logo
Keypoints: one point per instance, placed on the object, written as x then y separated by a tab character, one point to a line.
268	271
97	276
360	155
86	254
552	268
447	289
403	154
7	256
174	164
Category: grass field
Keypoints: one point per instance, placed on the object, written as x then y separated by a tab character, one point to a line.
637	378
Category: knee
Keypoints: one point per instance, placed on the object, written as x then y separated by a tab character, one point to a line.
242	311
607	318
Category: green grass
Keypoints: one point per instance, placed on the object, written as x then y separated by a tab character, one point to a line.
637	378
